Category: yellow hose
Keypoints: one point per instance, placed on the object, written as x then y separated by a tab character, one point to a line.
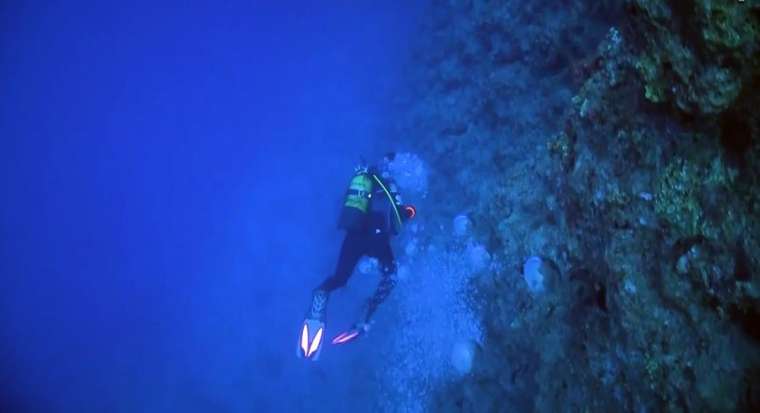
392	201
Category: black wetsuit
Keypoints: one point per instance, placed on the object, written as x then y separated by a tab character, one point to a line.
373	239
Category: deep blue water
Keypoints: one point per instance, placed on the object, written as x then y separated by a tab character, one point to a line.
171	177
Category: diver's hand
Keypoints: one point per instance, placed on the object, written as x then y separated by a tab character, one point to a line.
409	212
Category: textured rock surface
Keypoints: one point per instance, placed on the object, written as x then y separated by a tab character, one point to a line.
699	54
619	141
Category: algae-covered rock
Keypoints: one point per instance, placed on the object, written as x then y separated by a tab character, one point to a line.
684	191
677	198
714	90
729	26
700	55
655	84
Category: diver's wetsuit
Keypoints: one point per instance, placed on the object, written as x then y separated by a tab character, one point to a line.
372	238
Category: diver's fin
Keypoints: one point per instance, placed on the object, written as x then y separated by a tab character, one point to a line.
310	339
312	332
356	331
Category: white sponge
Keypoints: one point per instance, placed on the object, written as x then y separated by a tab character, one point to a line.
462	356
533	276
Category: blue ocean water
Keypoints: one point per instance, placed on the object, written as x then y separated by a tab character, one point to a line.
584	175
171	178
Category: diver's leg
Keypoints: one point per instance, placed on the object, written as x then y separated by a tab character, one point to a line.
354	246
350	252
383	252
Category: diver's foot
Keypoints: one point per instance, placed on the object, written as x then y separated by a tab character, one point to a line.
318	305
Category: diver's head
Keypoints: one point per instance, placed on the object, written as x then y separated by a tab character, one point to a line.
384	167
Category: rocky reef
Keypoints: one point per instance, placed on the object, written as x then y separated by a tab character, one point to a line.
617	143
698	55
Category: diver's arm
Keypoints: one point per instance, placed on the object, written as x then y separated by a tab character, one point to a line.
389	184
393	189
407	211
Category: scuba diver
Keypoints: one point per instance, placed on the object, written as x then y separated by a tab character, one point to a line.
371	214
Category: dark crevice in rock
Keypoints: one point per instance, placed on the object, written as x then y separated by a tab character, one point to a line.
742	265
747	317
735	137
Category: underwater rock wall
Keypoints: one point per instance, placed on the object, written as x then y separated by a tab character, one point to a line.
617	141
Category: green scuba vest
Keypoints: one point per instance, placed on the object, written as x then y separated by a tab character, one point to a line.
358	193
356	204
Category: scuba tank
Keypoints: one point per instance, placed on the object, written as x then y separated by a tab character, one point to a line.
356	203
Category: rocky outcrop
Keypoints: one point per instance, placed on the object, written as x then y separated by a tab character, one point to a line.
624	152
